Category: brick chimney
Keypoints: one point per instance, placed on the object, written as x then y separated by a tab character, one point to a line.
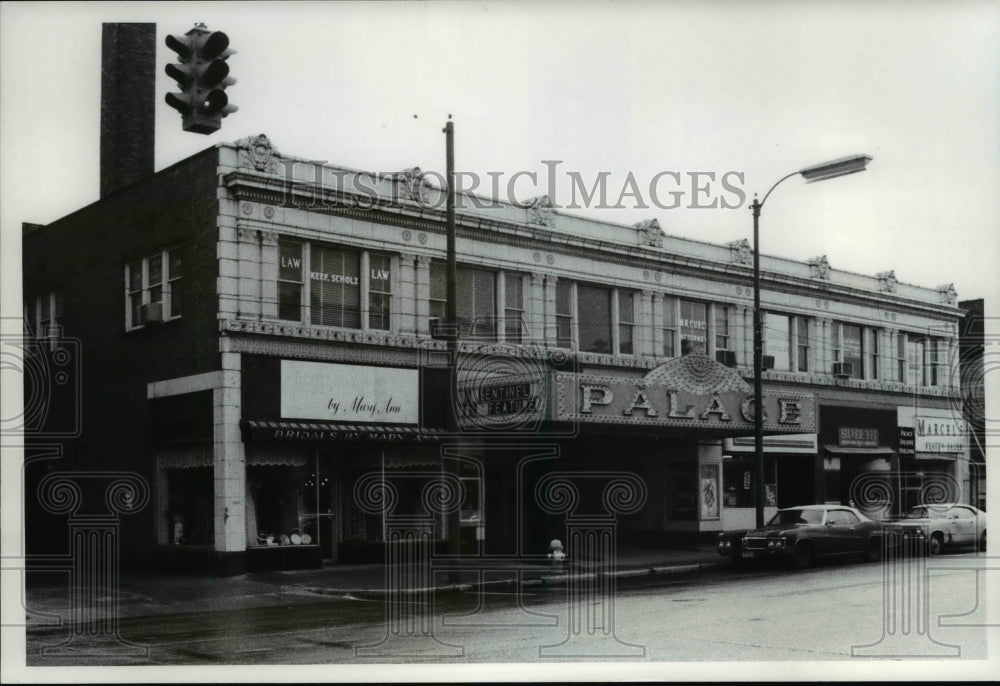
128	78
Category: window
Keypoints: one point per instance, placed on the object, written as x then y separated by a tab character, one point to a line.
694	326
476	300
332	295
924	359
151	280
873	355
626	322
777	340
334	287
669	327
852	341
802	343
594	309
564	314
43	317
842	517
290	281
513	308
900	357
379	291
596	318
721	327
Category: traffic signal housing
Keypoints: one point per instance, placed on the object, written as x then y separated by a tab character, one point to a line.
202	74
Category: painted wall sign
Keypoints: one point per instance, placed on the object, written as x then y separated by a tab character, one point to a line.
857	437
349	393
608	400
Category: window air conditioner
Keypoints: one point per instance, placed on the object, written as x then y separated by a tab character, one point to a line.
726	357
843	370
766	362
150	313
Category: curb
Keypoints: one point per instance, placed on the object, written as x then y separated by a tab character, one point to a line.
543	581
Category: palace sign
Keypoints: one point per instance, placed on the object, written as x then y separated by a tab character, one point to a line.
605	400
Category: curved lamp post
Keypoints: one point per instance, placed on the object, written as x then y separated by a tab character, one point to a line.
818	172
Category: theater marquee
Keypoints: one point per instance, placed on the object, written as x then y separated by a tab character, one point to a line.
609	400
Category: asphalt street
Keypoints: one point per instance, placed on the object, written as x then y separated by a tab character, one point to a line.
835	611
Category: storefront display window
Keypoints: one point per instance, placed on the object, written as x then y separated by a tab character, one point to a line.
190	512
281	501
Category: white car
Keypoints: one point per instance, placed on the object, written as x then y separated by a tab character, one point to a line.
949	524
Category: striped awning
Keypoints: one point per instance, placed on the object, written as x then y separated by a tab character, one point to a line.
288	430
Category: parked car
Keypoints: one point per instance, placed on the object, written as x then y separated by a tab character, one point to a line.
801	534
949	524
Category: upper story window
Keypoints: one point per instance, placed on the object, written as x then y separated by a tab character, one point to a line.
722	337
43	317
694	327
351	289
670	345
925	360
565	306
900	366
600	319
152	288
513	313
475	306
594	316
786	339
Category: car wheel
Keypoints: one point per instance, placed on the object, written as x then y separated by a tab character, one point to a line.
936	545
874	550
803	555
982	541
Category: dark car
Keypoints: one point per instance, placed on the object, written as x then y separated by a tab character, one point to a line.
801	534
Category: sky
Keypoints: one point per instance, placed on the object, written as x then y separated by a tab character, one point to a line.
757	89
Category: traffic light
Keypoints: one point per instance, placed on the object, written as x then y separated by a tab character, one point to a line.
202	75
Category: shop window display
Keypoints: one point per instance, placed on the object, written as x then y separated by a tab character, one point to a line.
190	511
281	505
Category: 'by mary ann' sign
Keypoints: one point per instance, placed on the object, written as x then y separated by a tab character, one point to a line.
349	393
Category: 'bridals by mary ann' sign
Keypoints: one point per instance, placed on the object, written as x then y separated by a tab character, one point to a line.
349	393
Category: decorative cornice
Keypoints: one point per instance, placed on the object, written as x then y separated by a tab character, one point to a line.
540	210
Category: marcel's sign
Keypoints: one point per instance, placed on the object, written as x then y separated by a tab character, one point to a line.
596	399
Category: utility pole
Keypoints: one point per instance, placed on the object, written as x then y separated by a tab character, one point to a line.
453	521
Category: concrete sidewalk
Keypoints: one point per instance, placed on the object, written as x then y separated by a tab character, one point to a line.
152	594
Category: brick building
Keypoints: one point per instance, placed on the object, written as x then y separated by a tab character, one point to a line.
257	342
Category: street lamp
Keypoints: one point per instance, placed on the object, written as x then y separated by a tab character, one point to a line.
818	172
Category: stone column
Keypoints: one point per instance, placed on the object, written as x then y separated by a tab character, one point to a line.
644	325
269	274
423	294
248	254
539	287
405	294
227	253
228	458
656	308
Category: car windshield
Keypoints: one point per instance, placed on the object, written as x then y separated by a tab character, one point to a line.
797	517
925	511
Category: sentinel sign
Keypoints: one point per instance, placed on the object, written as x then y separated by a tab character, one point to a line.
620	401
349	393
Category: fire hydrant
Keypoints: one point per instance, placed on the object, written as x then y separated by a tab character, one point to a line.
556	552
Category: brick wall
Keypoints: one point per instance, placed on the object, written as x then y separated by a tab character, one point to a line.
83	256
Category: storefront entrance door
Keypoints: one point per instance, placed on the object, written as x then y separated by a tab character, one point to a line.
327	522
